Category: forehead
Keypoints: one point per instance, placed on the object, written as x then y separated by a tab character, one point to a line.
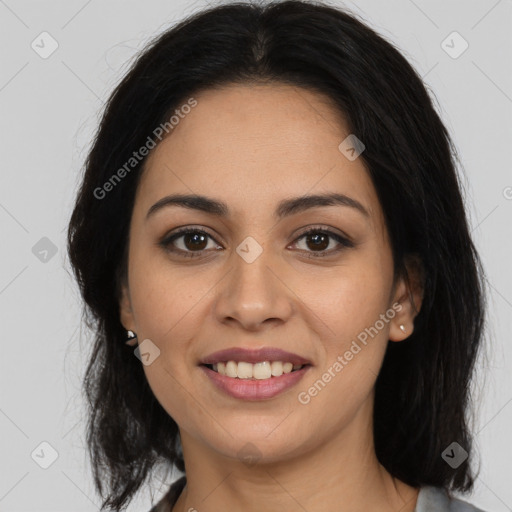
253	145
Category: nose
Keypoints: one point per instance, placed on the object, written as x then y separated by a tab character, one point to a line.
254	295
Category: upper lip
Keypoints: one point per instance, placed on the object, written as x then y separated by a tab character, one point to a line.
254	356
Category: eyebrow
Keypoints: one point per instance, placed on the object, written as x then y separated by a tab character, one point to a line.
285	208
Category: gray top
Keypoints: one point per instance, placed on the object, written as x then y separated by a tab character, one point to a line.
435	499
430	499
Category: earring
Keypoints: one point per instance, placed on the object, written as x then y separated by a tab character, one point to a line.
402	327
132	338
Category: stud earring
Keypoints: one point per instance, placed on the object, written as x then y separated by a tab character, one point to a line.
402	327
132	338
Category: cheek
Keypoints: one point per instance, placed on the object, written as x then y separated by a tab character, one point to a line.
351	297
354	333
163	298
167	307
354	341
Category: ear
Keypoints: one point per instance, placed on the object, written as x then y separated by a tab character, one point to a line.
409	292
125	308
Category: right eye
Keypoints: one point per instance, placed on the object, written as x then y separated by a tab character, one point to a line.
193	242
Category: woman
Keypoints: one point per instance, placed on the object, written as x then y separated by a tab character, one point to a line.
271	214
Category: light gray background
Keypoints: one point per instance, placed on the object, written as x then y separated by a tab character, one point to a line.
49	111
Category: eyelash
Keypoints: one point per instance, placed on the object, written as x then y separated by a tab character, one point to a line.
166	243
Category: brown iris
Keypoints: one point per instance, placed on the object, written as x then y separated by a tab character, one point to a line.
198	241
320	241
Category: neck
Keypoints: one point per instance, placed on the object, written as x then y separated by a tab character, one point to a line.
342	474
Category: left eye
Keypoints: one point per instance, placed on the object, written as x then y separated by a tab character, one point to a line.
318	240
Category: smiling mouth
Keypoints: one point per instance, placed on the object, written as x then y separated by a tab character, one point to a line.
257	371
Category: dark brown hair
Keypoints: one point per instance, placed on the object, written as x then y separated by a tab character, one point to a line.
422	391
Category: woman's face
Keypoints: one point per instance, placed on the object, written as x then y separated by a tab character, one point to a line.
256	281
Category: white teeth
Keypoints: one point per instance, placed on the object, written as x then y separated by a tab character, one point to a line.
277	368
244	370
231	368
287	367
262	370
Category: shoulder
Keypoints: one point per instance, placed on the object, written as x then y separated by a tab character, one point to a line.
430	499
169	499
436	499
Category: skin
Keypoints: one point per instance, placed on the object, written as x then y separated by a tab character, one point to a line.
252	146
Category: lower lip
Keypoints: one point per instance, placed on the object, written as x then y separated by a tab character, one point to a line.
255	389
